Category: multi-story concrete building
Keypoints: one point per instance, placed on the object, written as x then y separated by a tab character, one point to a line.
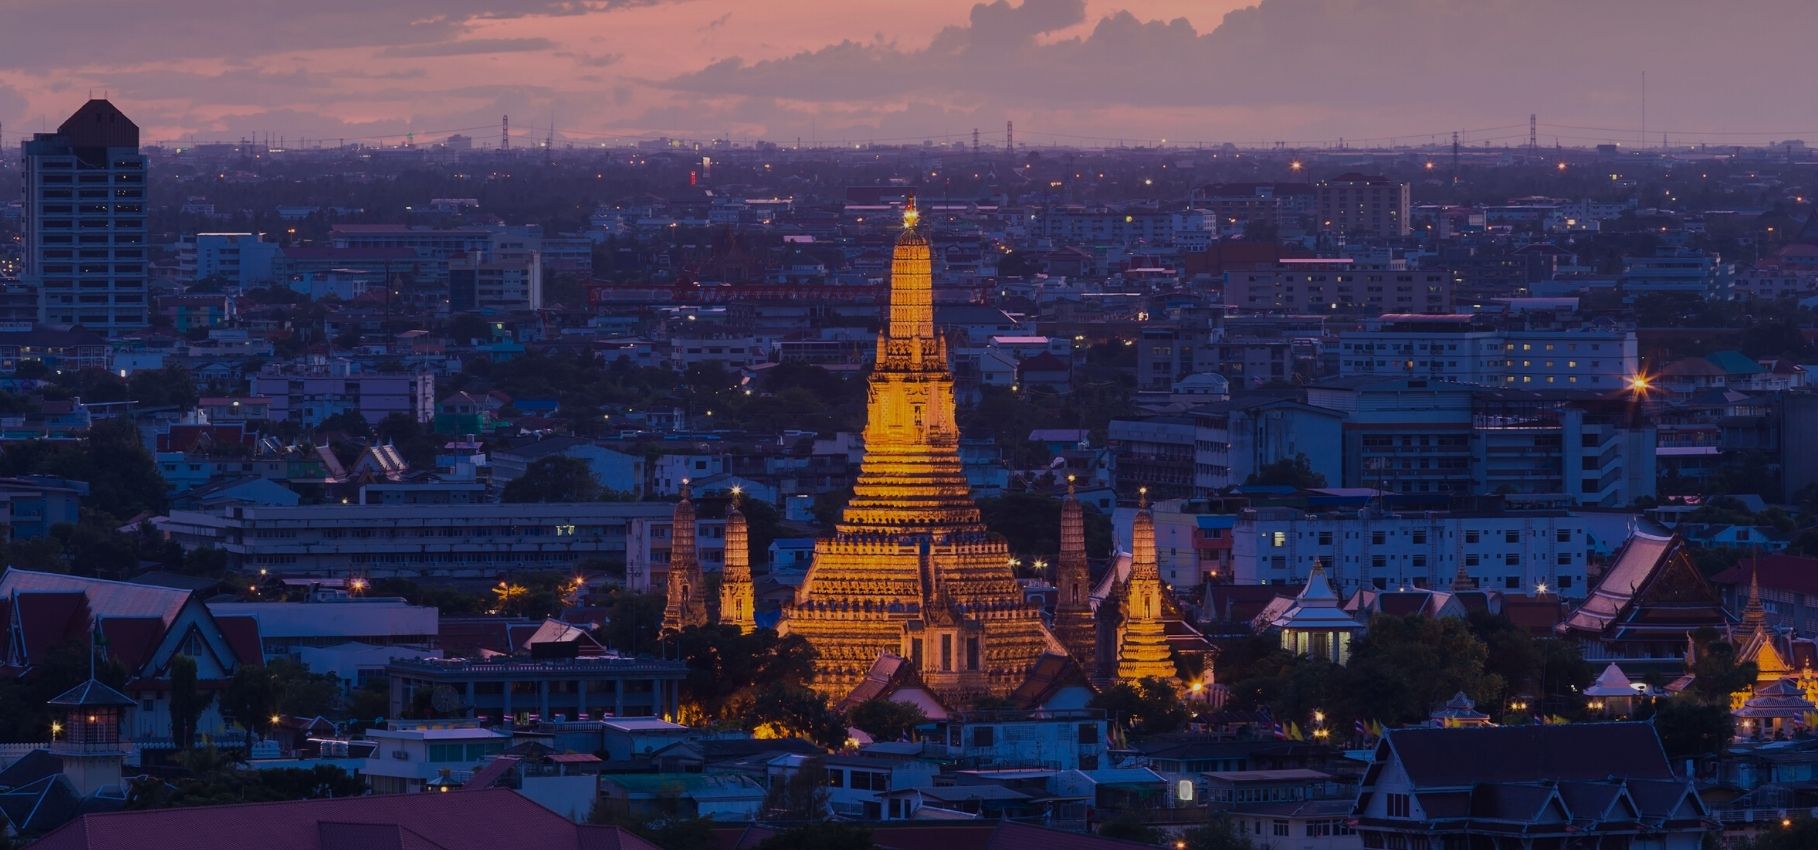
1458	348
84	245
1426	437
1369	549
240	260
1333	285
1175	455
418	540
1362	205
1683	272
310	395
499	284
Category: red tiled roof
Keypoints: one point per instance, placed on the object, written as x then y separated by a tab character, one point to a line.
131	640
475	820
242	634
973	835
47	619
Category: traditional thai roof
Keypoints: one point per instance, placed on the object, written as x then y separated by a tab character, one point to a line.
1782	699
1317	608
1612	682
1651	590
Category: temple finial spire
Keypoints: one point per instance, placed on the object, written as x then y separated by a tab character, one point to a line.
1754	615
911	216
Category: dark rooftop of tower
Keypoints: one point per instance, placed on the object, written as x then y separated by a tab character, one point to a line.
100	124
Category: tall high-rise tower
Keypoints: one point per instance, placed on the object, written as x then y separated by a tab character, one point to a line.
85	222
910	568
737	600
1142	650
684	604
1074	624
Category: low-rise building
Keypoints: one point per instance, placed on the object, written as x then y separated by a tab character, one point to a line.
1595	784
515	687
428	540
414	755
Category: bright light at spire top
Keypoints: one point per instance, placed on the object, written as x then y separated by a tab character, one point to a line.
910	215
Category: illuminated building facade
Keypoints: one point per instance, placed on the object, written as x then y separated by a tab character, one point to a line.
1142	648
910	568
737	601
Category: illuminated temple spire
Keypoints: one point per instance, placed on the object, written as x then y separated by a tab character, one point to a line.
1143	650
1074	625
736	597
910	568
683	604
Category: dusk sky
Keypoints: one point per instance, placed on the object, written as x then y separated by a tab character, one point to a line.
1084	72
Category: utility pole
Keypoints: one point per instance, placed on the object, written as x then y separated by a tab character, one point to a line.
1533	138
1454	159
505	133
974	142
1010	138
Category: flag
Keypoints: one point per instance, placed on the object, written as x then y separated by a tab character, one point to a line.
1362	730
1376	728
1280	733
1294	732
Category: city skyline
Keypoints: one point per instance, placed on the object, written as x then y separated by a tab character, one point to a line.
1083	73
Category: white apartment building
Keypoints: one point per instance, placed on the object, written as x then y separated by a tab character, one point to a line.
1509	552
414	754
311	395
431	540
241	260
1450	348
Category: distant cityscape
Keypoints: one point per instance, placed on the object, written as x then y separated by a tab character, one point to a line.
691	494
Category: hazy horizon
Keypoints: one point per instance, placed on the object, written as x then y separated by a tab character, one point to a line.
1068	72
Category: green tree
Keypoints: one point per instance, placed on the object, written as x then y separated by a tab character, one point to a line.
821	836
1130	825
801	796
1221	833
1296	472
187	702
170	386
251	698
887	720
1404	667
1151	706
797	711
1797	834
557	478
632	621
346	422
726	668
123	478
1716	671
1690	728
